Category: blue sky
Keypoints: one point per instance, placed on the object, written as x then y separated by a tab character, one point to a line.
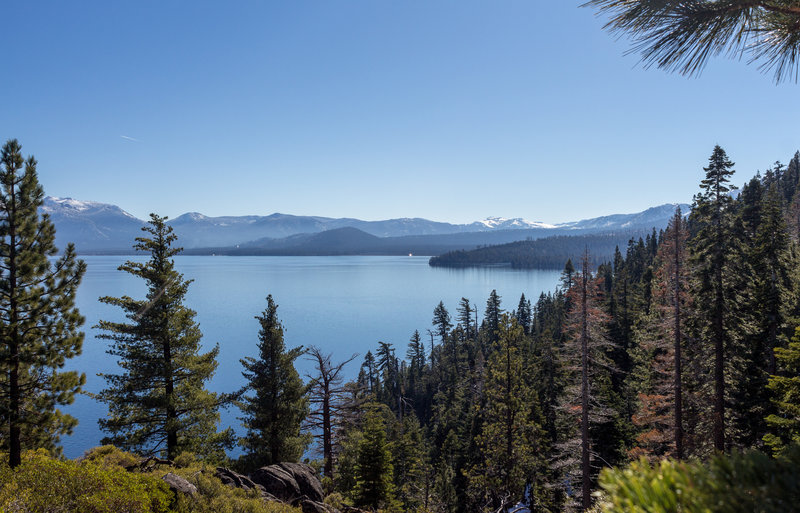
449	110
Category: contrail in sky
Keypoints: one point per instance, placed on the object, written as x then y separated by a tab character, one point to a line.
129	138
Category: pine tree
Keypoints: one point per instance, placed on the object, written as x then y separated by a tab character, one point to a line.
39	324
275	412
374	487
711	249
769	287
785	387
158	404
492	316
512	440
465	318
586	366
441	321
524	314
411	472
370	371
659	356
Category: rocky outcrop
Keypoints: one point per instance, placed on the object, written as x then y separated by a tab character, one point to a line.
231	478
179	484
290	482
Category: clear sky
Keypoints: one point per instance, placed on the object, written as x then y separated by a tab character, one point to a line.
450	110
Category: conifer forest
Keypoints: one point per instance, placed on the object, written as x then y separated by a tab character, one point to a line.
677	358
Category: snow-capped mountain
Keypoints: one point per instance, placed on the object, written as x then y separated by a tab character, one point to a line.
517	223
90	225
101	227
653	216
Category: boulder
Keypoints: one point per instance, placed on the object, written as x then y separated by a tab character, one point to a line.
179	484
231	478
307	479
289	482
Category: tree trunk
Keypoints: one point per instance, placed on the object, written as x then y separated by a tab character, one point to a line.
15	394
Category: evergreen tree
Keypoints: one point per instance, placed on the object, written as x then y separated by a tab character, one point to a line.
568	275
370	372
158	403
465	318
769	287
711	249
373	472
492	316
523	314
441	321
275	412
785	423
411	472
658	374
586	368
512	440
39	324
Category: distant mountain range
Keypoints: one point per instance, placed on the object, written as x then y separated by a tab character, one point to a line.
102	228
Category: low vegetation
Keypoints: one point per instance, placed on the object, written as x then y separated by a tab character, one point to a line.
742	482
108	480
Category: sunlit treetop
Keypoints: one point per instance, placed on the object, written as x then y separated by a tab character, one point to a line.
680	35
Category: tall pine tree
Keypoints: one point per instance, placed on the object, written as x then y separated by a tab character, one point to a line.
39	324
279	404
710	248
158	403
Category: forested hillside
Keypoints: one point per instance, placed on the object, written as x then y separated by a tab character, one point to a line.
547	253
685	345
680	346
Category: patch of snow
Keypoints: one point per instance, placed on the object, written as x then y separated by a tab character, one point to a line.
518	222
73	206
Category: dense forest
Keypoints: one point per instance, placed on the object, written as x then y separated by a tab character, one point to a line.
685	345
545	253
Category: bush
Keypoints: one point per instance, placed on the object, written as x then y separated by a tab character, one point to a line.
46	485
750	482
100	483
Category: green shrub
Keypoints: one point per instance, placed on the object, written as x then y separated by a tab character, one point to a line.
46	485
100	483
110	456
750	482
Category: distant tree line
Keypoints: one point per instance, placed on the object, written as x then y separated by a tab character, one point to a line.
546	253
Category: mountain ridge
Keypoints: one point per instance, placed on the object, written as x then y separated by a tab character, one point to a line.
97	227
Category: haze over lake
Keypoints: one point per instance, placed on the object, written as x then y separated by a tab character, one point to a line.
344	305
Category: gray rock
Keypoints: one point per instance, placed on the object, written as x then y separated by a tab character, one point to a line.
289	482
179	484
278	482
231	478
307	479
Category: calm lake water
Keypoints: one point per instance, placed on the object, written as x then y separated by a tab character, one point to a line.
344	305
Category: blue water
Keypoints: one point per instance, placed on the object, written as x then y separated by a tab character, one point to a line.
344	305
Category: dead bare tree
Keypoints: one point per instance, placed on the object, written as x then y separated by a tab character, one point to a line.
328	396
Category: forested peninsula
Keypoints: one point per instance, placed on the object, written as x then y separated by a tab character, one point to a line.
546	253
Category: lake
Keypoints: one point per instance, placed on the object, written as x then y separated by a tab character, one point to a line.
344	305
